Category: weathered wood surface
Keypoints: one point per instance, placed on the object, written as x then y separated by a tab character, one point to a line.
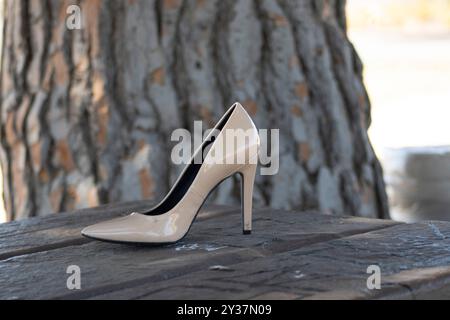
290	255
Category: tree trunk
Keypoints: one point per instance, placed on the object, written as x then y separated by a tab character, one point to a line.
86	115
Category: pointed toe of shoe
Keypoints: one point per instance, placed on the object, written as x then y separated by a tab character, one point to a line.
96	231
111	230
135	228
90	232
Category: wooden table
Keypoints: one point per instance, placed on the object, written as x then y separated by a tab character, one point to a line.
290	255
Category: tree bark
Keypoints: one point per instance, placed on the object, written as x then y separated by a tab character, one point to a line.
86	115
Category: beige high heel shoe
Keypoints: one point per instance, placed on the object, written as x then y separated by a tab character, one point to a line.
172	218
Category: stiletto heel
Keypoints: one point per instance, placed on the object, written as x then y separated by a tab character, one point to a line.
172	218
247	181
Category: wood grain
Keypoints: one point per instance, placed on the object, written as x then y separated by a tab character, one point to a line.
215	239
61	230
289	255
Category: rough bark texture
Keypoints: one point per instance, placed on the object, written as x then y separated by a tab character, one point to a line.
86	115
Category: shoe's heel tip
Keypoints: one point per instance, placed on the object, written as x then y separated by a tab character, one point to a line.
247	232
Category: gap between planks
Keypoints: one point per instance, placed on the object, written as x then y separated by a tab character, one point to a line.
210	213
239	255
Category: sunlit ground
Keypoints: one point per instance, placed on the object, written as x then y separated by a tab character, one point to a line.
408	79
405	48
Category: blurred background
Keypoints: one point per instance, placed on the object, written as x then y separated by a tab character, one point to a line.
404	46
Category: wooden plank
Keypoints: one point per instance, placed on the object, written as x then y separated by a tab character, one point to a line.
421	283
56	230
60	219
61	230
414	261
109	267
